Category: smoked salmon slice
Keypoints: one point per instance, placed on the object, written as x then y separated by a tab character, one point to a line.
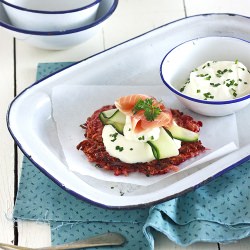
139	121
126	103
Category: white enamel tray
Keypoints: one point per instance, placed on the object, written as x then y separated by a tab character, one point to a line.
135	62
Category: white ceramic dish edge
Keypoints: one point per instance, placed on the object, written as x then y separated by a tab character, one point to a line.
60	39
39	20
132	204
92	3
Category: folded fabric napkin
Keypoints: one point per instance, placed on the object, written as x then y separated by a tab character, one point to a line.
216	212
71	219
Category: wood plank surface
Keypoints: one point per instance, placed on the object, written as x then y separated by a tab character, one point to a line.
241	7
6	144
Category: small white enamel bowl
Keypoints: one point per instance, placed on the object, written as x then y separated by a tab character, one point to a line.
181	60
59	40
50	15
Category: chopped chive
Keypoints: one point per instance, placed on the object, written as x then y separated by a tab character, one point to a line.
208	95
114	136
119	148
141	138
182	89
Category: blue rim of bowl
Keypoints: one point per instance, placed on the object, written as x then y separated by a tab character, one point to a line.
65	32
117	207
50	12
177	92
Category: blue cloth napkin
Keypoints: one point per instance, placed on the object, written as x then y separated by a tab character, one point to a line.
216	212
70	219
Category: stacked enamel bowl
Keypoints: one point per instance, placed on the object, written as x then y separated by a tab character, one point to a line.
55	24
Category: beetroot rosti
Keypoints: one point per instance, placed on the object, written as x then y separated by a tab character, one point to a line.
95	151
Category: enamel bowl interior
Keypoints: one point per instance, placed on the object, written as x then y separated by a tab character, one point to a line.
51	5
51	15
181	60
60	39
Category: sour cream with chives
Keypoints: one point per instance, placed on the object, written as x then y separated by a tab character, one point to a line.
218	80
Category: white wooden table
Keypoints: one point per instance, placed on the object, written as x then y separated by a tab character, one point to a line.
18	62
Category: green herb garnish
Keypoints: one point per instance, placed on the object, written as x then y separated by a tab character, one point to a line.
114	136
141	138
208	78
208	95
119	148
182	89
151	111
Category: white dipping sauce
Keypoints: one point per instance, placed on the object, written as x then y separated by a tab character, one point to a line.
218	80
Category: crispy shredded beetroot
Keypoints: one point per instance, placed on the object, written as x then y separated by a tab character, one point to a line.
95	151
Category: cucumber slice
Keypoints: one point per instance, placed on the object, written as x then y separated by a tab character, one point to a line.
113	117
109	113
164	147
183	134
